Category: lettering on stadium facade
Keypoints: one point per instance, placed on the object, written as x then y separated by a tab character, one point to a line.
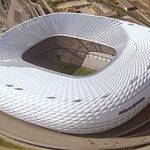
134	105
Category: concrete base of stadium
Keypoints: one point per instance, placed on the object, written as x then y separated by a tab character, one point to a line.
23	132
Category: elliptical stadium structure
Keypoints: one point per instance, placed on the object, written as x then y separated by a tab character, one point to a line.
65	103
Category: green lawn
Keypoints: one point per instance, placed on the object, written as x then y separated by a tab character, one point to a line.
6	144
12	146
67	68
63	67
82	71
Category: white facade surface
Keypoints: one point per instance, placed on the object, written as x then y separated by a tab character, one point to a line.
65	103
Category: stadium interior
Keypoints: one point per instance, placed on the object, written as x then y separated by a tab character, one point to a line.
70	55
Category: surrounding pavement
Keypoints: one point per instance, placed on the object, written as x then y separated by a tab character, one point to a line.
37	136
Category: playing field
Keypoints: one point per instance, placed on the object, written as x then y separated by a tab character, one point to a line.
70	69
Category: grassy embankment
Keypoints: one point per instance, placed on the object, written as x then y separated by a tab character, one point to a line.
5	145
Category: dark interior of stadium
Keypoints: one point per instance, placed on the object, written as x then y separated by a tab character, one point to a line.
66	54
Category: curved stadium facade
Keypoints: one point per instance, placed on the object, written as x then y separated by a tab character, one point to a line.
66	103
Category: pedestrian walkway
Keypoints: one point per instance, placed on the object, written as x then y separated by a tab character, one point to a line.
28	133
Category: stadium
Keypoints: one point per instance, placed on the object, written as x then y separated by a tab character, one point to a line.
34	90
